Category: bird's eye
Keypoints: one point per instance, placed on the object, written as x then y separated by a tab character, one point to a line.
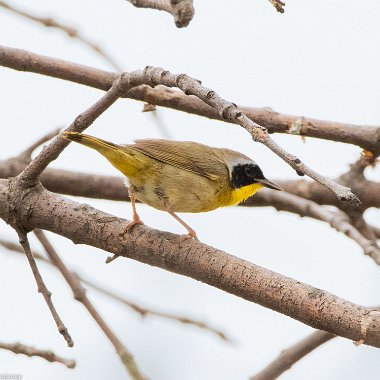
248	170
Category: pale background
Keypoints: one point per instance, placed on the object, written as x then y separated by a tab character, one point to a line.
320	59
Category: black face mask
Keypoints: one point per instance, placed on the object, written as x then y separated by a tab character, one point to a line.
247	174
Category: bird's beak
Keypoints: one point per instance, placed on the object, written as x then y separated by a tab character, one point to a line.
271	185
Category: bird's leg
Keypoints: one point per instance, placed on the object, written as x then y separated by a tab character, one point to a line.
136	219
191	233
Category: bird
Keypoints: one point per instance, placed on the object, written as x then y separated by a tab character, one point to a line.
180	176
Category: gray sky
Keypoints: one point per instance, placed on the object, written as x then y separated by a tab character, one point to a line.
319	59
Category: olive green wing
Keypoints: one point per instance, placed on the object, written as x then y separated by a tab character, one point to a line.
186	155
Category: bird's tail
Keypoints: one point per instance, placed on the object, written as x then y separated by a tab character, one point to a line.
119	156
102	146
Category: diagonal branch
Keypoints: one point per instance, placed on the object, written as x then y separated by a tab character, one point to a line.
42	287
279	5
79	294
376	231
182	10
366	137
31	173
293	354
70	31
26	155
50	356
86	225
353	177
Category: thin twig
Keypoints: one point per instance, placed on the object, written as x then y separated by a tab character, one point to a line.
376	231
50	356
293	354
143	311
70	31
356	170
157	119
42	287
26	154
79	294
182	10
353	178
279	5
337	219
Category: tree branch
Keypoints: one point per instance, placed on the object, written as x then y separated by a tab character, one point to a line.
42	287
293	354
366	137
79	294
86	225
182	10
352	177
279	5
50	356
26	155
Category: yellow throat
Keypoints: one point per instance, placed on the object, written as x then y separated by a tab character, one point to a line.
240	195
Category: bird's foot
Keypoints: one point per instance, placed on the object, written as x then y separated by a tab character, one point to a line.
191	235
134	222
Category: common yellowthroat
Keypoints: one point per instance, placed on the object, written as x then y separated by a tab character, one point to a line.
180	176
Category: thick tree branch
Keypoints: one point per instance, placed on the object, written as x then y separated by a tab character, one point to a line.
70	31
50	356
182	10
86	225
293	354
366	137
80	295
